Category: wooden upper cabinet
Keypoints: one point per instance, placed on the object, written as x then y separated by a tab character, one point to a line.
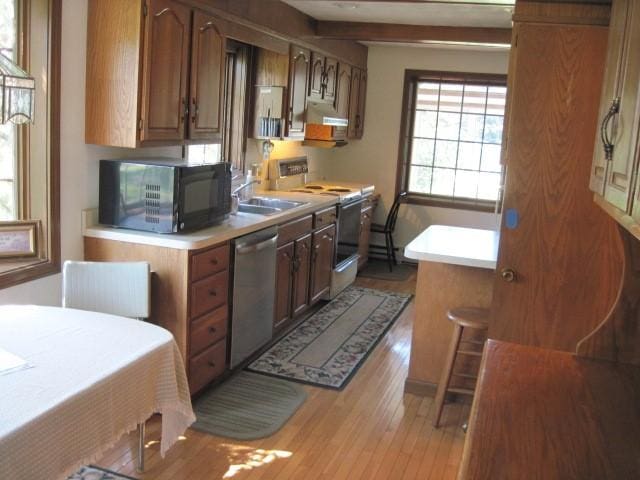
317	76
322	252
354	102
330	80
343	87
153	78
298	82
166	63
207	77
612	174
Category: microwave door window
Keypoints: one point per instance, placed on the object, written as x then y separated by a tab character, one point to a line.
131	190
200	196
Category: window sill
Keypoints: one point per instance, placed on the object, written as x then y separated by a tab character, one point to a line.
21	271
458	204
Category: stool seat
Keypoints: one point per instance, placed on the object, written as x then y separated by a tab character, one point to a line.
462	317
470	317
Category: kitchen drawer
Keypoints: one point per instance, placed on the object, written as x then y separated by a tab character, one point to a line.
324	217
210	328
209	262
294	229
208	365
209	293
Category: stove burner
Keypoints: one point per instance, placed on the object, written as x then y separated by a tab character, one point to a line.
314	187
336	189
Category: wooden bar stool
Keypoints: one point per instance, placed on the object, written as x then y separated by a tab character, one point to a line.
463	317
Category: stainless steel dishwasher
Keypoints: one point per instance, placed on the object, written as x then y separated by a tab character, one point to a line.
254	283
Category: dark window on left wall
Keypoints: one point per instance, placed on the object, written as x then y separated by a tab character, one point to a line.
232	146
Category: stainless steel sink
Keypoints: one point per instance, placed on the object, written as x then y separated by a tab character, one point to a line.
267	206
259	209
272	202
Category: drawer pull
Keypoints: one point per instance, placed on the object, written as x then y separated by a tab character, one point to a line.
212	329
212	293
214	261
212	364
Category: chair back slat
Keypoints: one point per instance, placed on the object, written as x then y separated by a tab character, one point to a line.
392	217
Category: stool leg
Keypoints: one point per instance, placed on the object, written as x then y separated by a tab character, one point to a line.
447	369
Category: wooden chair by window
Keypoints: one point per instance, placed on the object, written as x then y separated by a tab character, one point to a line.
117	288
388	228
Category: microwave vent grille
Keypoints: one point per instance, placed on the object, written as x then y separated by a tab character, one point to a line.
152	203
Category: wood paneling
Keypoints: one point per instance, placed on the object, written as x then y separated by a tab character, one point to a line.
617	338
388	32
544	414
456	286
272	68
169	285
562	12
111	110
165	107
564	250
207	78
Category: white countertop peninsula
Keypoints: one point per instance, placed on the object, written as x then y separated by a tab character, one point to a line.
471	247
233	227
456	268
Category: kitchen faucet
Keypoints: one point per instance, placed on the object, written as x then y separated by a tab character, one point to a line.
235	194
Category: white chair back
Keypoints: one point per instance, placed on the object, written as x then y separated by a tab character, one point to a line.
118	288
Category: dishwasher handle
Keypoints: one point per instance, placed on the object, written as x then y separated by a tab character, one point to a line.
256	247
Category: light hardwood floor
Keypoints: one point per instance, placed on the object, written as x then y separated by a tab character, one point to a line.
370	430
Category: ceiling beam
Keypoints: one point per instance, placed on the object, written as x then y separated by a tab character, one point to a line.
387	32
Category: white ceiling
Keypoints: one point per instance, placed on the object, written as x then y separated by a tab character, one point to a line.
455	13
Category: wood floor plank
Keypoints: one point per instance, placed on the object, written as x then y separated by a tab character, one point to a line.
371	429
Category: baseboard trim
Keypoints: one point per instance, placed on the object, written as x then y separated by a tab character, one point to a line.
420	388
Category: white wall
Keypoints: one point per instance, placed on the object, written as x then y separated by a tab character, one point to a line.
374	158
79	162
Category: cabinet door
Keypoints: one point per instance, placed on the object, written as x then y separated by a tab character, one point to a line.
362	101
316	76
207	77
284	270
562	248
166	61
322	254
298	81
302	268
624	125
330	80
610	85
354	97
343	87
365	234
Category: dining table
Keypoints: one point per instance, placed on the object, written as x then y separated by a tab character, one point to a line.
85	380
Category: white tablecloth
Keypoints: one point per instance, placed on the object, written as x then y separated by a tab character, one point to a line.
94	377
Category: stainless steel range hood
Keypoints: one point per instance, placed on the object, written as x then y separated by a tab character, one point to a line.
325	127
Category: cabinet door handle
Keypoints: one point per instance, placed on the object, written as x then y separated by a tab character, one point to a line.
185	112
196	111
290	116
211	363
214	261
508	275
212	329
607	142
212	293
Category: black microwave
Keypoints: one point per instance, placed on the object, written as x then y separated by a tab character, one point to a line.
163	195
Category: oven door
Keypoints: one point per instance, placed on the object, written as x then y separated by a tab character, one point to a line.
204	195
348	231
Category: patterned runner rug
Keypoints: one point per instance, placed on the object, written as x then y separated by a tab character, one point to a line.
97	473
327	349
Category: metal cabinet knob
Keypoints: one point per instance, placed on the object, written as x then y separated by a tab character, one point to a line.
508	275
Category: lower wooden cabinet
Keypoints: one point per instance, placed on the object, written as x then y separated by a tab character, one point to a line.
301	271
322	254
284	284
207	366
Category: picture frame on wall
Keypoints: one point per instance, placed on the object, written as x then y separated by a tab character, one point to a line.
19	239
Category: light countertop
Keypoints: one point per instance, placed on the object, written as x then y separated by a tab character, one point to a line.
472	247
233	227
